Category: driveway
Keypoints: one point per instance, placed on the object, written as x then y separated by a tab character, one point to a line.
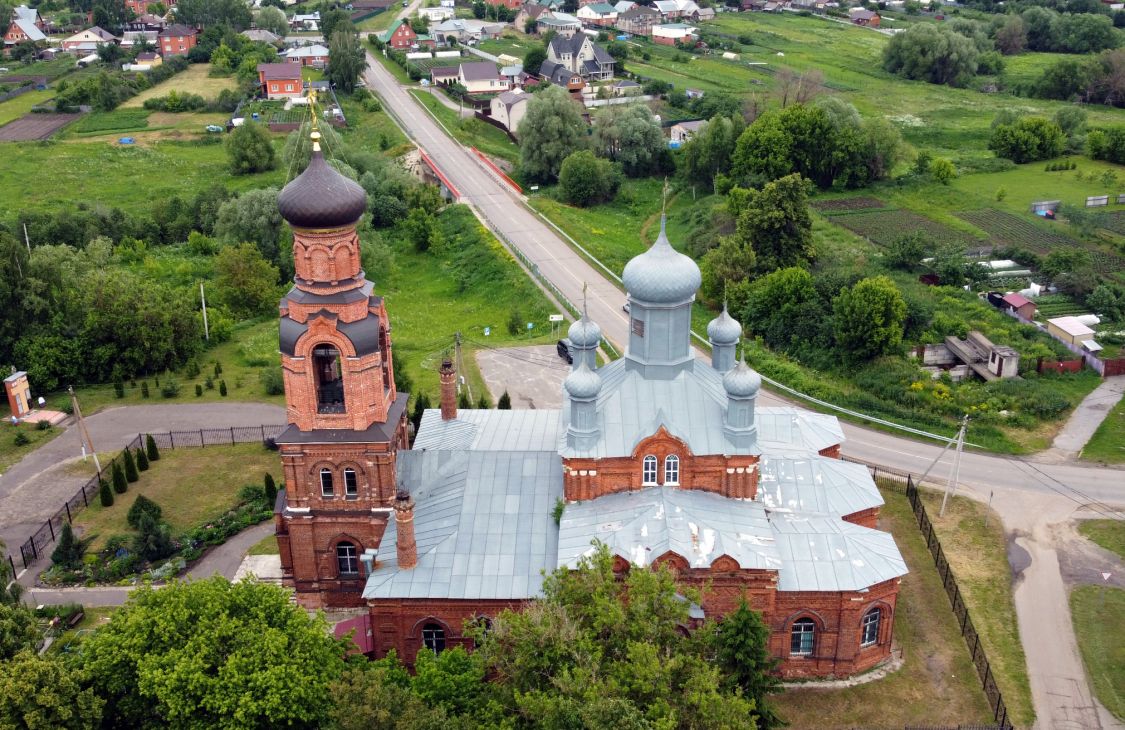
532	376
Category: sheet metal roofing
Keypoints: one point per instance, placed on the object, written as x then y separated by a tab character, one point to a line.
489	430
828	554
482	523
641	526
816	485
788	431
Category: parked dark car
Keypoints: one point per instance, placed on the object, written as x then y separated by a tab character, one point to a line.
563	348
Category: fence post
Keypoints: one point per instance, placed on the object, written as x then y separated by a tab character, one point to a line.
12	563
85	500
34	550
263	428
201	442
172	438
52	528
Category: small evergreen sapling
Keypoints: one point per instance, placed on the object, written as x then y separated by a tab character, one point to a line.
271	489
120	484
143	506
505	402
144	389
105	494
130	466
223	388
142	460
68	553
150	447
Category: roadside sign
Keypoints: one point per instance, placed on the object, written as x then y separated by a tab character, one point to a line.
487	331
1106	576
530	325
555	318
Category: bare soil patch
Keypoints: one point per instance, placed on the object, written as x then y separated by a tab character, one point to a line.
32	127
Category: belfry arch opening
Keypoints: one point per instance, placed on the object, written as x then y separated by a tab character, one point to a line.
329	379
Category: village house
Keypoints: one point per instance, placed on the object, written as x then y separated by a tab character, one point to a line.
260	35
638	20
508	108
444	75
281	80
1019	304
132	38
559	23
1070	330
29	15
624	5
146	22
601	14
315	55
861	16
481	77
683	131
305	21
435	15
87	41
701	14
399	35
177	40
509	4
669	34
21	30
626	87
578	55
528	12
675	9
142	7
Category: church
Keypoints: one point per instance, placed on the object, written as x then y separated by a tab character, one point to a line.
660	455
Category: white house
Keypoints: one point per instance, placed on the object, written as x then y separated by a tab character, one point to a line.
672	9
669	34
508	108
600	14
435	15
683	131
481	77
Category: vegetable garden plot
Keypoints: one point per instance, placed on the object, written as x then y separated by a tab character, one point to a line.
1006	229
845	205
882	227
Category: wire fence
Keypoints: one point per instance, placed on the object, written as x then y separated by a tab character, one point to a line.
903	482
36	545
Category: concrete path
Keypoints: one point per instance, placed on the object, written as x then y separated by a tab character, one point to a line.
33	489
1089	414
532	376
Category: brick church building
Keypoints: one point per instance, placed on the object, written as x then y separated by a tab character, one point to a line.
660	455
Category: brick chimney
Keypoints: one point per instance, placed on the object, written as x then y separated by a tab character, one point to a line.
404	523
448	391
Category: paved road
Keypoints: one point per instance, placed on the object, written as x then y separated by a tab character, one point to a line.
33	489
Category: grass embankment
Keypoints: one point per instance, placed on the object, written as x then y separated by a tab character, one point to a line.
266	546
195	80
470	132
397	71
1107	445
1109	534
976	547
18	106
1099	624
191	485
936	685
10	453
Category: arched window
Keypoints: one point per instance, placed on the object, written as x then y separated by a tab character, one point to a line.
672	469
648	472
346	559
329	379
869	635
802	637
433	637
326	489
351	486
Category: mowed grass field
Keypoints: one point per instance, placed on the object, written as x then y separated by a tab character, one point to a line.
195	80
19	106
1099	624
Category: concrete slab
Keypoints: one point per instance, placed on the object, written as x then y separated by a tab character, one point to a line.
266	568
533	375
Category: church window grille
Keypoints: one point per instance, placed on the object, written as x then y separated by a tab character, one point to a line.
433	638
870	633
346	559
802	638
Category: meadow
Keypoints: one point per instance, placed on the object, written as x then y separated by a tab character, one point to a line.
195	80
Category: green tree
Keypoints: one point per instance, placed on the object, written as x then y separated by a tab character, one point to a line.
1028	139
907	250
346	59
1042	28
105	494
727	264
586	180
375	697
69	551
534	58
150	447
120	483
1067	79
142	506
1106	303
19	631
215	654
933	53
153	540
709	151
421	403
452	680
273	20
775	223
421	229
142	460
250	149
1011	36
43	693
742	651
130	466
233	13
551	130
253	217
942	170
869	318
270	488
505	402
245	282
629	134
1064	261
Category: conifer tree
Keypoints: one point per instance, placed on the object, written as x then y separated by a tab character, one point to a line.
742	651
120	483
150	446
68	553
142	460
271	489
142	506
505	402
463	400
105	494
223	388
130	466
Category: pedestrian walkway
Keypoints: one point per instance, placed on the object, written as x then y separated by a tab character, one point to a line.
1084	421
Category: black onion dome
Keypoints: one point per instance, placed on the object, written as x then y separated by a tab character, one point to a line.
320	197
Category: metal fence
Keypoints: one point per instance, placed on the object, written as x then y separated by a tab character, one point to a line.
904	483
34	547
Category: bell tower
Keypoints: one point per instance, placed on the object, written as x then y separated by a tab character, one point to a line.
346	419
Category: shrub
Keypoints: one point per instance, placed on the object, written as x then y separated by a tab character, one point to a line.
270	488
150	447
587	180
223	388
144	389
1028	139
272	381
209	383
21	439
505	402
170	389
515	322
191	370
68	553
42	425
120	483
130	466
218	368
154	538
105	494
143	506
198	390
119	389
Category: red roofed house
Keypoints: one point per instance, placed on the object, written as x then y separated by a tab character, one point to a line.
177	40
1020	304
281	80
399	36
140	7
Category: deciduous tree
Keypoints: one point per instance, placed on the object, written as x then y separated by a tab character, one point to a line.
253	217
273	20
869	318
1028	139
551	130
630	135
929	52
43	693
19	630
775	223
346	60
245	282
586	180
250	149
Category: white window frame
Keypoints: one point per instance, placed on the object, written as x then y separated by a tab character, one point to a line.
869	628
648	471
327	486
434	637
351	484
347	559
806	629
672	470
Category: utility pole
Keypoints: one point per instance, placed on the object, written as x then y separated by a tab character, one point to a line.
203	299
82	429
951	488
461	364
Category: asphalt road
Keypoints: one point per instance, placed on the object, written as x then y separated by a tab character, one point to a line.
502	208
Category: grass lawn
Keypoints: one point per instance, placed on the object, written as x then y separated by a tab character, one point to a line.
95	617
19	106
52	69
1107	445
1109	534
975	545
127	177
470	132
190	485
510	44
266	546
937	684
9	452
397	71
1099	624
194	80
380	22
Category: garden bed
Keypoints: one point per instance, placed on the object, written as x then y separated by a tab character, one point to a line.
882	227
838	206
